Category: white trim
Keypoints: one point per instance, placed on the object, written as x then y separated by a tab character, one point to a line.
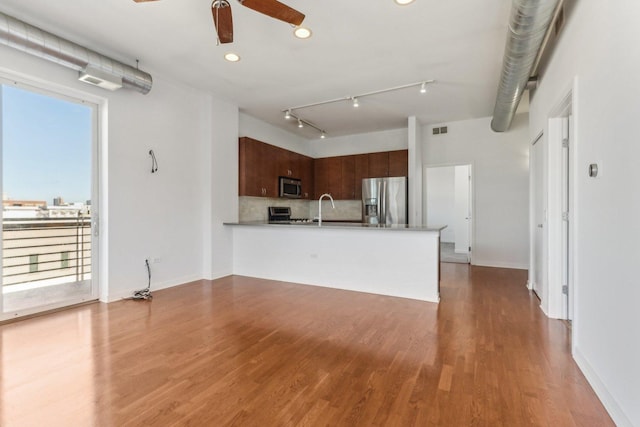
498	264
609	402
99	170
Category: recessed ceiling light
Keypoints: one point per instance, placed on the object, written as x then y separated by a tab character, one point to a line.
231	57
302	32
403	2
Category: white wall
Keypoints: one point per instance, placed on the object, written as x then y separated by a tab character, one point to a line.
599	45
414	129
159	215
373	142
441	201
500	166
265	132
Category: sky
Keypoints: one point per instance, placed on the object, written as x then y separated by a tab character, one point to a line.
46	147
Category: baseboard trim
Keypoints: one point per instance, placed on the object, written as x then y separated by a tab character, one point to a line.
497	264
610	404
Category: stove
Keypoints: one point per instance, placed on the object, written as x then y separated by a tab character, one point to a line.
282	215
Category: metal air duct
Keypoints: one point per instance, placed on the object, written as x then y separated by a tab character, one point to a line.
27	38
528	24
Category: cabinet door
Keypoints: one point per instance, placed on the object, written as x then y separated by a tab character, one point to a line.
321	183
281	161
334	177
306	176
268	170
378	165
399	163
361	172
250	167
348	190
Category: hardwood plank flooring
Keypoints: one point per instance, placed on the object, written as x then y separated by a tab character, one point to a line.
248	352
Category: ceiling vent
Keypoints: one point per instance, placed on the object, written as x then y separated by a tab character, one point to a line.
101	79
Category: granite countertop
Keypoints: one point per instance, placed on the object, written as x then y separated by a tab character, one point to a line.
334	225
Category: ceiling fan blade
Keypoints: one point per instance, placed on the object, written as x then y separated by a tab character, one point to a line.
275	9
221	11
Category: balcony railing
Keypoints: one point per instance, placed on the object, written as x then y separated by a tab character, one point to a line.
46	249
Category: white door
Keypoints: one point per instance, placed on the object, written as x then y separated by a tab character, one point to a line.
566	144
49	187
539	217
463	209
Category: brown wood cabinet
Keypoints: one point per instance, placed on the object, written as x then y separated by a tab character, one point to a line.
261	164
399	163
361	172
378	164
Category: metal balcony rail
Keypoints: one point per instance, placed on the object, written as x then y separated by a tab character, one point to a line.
46	249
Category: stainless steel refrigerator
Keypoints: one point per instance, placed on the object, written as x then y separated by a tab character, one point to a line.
384	200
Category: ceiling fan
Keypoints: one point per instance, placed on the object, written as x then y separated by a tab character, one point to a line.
221	11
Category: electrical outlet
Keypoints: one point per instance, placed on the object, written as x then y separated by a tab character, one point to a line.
157	260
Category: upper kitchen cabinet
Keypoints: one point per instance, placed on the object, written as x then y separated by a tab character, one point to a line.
361	171
399	163
328	177
378	164
261	164
256	174
348	187
306	176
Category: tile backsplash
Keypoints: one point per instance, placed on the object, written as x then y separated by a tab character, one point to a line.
255	208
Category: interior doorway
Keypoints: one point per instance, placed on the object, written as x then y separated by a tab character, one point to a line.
538	171
448	201
49	187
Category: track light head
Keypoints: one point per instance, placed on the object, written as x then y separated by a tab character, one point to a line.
300	125
356	104
287	114
423	87
323	135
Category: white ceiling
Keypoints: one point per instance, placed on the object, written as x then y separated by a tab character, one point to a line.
358	46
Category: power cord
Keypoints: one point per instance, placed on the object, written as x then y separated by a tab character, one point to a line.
144	293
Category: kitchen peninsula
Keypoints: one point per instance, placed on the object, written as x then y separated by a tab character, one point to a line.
400	260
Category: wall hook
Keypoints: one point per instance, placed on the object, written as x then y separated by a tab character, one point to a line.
154	162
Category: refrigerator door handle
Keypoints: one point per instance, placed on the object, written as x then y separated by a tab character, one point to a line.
383	202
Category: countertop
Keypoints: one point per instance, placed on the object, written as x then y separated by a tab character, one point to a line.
343	225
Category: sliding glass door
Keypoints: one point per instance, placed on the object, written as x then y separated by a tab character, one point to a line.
49	246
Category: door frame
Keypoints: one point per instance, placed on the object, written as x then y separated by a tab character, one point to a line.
472	199
99	259
560	170
533	223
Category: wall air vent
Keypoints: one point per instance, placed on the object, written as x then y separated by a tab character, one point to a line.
100	78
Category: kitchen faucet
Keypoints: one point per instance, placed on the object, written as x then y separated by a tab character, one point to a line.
320	206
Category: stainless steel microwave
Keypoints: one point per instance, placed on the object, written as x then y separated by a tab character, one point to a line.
290	188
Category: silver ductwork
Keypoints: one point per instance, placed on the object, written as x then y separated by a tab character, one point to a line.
528	25
27	38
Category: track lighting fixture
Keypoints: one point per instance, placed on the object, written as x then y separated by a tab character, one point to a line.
355	100
288	113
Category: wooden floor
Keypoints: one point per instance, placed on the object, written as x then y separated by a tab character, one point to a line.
250	352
